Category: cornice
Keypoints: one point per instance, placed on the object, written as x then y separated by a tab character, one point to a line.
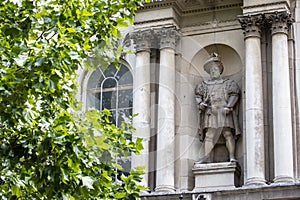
179	7
209	9
266	8
266	4
158	5
154	20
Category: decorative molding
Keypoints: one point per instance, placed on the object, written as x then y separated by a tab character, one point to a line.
192	10
209	1
284	179
280	22
220	23
158	4
154	20
143	40
168	37
266	4
163	37
165	188
252	25
214	8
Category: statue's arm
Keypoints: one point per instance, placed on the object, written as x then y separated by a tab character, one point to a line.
233	95
199	96
232	100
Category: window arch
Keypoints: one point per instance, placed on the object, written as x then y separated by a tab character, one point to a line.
111	88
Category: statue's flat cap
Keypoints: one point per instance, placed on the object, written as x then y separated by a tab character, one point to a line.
213	59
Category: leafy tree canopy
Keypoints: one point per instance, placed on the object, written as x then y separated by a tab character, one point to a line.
47	151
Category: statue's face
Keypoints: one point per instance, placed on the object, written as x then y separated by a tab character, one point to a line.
215	71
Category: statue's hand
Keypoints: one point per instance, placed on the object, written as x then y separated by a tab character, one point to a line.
227	110
202	106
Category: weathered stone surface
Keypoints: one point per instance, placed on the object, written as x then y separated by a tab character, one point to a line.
254	99
265	63
216	175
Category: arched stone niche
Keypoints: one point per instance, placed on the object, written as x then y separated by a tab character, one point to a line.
230	58
233	70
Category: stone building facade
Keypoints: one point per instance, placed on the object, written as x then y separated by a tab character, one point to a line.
258	42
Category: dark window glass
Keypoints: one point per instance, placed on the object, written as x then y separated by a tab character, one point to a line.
111	88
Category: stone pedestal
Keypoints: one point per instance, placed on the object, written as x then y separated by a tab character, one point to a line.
216	175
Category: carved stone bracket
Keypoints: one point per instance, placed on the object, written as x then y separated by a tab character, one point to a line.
144	40
252	25
280	22
168	37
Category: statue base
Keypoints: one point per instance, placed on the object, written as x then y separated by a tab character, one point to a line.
221	175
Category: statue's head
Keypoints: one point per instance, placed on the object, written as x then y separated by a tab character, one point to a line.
214	60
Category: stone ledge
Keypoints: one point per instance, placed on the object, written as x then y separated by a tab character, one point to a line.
258	192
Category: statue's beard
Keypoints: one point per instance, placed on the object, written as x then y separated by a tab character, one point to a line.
214	77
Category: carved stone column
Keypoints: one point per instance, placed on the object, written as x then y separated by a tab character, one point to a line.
297	77
254	100
141	98
166	112
282	116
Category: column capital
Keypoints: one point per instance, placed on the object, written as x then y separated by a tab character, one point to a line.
279	21
168	37
143	39
251	25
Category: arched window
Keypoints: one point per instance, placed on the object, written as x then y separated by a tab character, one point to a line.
111	88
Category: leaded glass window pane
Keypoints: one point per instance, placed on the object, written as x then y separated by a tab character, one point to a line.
111	88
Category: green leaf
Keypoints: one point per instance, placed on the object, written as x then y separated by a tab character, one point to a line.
39	61
120	195
15	190
50	149
122	23
100	142
21	59
71	30
88	182
74	165
86	13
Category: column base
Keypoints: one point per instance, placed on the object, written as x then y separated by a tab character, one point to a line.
216	175
164	188
284	179
144	192
255	181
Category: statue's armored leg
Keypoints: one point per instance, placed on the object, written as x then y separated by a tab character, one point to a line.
230	144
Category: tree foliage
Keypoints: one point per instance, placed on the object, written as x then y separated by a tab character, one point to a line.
47	150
